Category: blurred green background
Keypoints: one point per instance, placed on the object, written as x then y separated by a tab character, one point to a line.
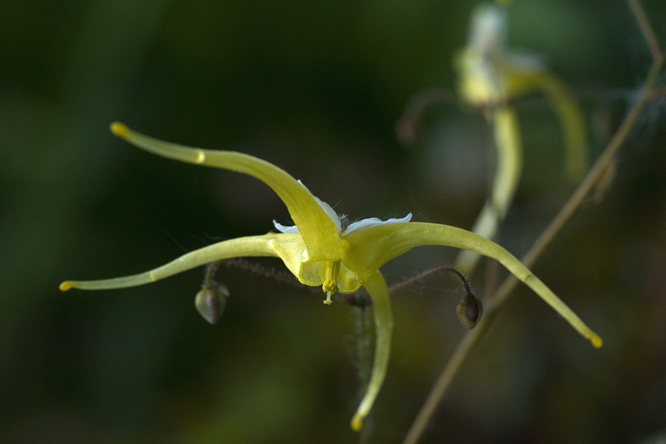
315	87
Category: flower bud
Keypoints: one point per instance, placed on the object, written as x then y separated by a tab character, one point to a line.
469	311
210	302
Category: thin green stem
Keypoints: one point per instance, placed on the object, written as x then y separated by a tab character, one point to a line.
646	28
572	205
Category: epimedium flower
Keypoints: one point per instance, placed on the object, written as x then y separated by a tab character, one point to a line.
320	253
490	76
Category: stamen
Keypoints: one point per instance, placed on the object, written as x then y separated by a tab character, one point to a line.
329	286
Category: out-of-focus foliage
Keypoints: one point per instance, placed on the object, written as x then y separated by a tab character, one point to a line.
314	87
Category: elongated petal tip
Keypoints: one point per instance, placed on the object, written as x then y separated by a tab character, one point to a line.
356	423
66	286
597	342
118	129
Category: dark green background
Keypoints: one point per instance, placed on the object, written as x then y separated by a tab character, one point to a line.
315	87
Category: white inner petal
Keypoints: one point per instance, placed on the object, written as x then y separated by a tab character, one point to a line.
282	229
373	222
488	29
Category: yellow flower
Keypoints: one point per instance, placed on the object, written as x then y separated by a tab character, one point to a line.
319	253
490	76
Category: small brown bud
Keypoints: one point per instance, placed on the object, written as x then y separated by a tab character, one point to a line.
469	311
210	302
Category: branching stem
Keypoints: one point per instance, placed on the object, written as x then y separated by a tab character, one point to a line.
570	207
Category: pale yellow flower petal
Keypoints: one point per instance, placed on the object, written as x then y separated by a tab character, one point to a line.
507	175
319	231
381	309
287	247
373	247
567	109
490	75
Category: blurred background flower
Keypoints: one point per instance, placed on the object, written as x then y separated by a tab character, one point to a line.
315	87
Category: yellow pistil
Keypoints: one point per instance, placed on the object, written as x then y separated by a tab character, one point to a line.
330	285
